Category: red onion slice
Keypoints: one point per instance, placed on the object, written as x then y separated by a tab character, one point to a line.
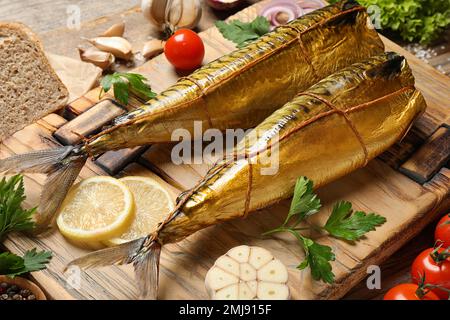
313	4
290	8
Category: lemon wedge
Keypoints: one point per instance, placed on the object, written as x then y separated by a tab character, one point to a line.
152	205
96	209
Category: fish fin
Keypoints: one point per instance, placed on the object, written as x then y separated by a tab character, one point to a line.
60	179
146	269
120	254
145	259
35	162
62	165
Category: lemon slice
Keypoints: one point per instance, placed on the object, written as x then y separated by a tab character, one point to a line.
152	205
96	209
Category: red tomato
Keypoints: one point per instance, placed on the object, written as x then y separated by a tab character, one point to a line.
442	232
436	273
185	50
407	291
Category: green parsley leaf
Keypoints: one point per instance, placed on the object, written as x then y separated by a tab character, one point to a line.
12	216
318	258
342	223
13	265
345	224
10	263
106	82
124	83
305	202
242	33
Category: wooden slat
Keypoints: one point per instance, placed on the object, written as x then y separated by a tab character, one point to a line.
89	122
430	158
114	161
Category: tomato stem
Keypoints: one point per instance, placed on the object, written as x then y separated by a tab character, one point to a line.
424	288
440	257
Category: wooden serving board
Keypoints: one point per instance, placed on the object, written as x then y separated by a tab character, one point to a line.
409	185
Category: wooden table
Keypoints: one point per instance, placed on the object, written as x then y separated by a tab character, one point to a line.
57	38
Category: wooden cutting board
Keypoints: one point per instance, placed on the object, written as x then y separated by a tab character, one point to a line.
409	185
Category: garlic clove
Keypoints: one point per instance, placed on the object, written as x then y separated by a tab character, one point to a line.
174	14
152	48
191	14
272	291
218	279
118	46
227	293
247	272
228	264
239	253
245	293
274	271
253	285
99	58
116	30
155	11
259	257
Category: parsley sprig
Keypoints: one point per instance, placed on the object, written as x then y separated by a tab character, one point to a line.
12	216
242	33
124	83
12	265
342	223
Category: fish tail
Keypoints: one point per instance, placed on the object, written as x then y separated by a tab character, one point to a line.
62	165
146	269
143	253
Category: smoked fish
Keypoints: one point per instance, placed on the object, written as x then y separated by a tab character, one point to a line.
238	90
331	129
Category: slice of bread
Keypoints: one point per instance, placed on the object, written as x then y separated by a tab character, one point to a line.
29	88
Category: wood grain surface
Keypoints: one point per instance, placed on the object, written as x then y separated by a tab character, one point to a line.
409	206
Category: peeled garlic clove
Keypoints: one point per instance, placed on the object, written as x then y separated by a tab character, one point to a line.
118	46
99	58
272	291
218	279
228	264
274	271
227	293
116	30
239	253
152	48
259	257
247	273
245	293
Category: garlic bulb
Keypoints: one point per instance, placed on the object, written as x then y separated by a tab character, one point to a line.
247	273
172	14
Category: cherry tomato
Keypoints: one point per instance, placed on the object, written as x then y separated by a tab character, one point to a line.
436	273
442	232
185	50
407	291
